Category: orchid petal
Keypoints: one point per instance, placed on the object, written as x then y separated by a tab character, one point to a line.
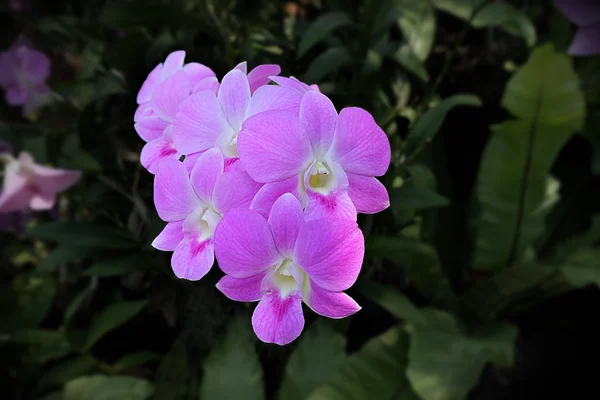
277	320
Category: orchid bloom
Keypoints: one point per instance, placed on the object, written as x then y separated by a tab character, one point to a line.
28	185
284	261
166	86
209	120
586	14
193	205
328	161
23	75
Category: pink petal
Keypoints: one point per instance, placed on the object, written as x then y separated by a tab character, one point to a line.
244	289
207	170
51	180
42	201
335	204
154	77
172	64
37	65
233	164
190	160
16	194
274	146
210	84
170	237
143	111
234	96
581	12
259	76
319	116
197	72
270	192
277	320
367	193
16	95
586	41
193	258
243	66
244	244
331	252
273	97
174	197
199	123
169	94
285	221
291	83
330	304
150	128
234	189
156	152
359	145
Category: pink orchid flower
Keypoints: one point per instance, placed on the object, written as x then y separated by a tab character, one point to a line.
328	161
193	205
586	14
28	185
23	75
207	120
284	261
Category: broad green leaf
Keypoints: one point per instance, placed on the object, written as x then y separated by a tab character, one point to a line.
66	253
428	125
392	300
120	266
409	61
376	371
445	364
100	387
494	13
514	189
175	372
409	196
77	302
26	301
112	317
568	249
320	29
327	62
232	369
319	353
512	290
421	265
582	268
417	23
135	359
84	234
42	344
65	371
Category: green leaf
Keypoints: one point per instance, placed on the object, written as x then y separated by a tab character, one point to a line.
445	364
327	62
112	317
428	125
135	359
409	61
514	189
567	251
84	234
43	344
66	370
77	302
320	29
495	13
26	302
417	23
100	387
391	300
409	196
234	359
319	353
64	254
376	371
421	265
120	266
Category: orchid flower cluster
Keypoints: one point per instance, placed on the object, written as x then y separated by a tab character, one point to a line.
261	172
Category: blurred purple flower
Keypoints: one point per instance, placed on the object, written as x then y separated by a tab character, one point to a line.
585	14
23	74
19	5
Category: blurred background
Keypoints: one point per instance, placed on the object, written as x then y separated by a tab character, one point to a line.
479	282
